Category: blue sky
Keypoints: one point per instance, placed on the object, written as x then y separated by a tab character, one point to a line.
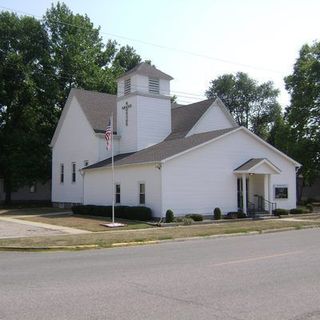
262	38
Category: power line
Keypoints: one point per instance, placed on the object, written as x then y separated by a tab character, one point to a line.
156	45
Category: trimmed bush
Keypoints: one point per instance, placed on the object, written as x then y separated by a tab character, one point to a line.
187	221
309	206
280	212
195	216
217	214
169	216
296	211
241	215
231	215
122	212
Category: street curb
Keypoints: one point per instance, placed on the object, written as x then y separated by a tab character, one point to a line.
148	242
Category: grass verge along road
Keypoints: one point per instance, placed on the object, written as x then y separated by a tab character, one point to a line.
112	237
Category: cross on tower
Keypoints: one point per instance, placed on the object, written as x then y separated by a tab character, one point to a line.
126	107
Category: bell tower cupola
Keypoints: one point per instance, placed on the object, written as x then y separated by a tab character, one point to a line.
143	107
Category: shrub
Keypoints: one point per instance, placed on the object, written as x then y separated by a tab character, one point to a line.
241	215
217	214
296	211
169	216
309	206
195	216
231	215
280	212
122	212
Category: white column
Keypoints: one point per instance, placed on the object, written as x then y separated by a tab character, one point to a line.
270	198
244	193
266	186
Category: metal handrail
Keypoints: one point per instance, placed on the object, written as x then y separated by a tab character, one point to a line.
266	203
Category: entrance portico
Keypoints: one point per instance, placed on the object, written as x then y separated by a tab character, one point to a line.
254	185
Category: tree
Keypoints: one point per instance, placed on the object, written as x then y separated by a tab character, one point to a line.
79	56
25	118
39	64
252	105
303	113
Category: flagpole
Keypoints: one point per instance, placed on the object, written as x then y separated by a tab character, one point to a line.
112	164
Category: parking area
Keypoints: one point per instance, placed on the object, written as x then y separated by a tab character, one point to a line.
10	229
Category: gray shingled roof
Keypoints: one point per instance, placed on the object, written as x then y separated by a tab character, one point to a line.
97	108
183	118
249	164
146	69
161	150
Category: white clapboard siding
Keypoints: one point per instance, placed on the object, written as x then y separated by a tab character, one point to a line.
98	186
214	118
76	142
203	179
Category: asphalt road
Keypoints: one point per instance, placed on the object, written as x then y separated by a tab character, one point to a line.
271	276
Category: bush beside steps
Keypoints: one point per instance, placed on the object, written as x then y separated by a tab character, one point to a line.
122	212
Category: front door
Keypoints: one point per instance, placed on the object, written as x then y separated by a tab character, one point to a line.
240	192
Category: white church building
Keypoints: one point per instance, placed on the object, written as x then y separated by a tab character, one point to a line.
188	158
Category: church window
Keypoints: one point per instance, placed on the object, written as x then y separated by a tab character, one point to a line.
61	173
127	86
117	193
142	193
73	178
154	85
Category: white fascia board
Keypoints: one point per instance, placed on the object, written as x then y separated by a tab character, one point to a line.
123	165
297	164
267	162
61	119
215	104
63	116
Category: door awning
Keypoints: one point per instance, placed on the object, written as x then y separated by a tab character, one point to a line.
258	166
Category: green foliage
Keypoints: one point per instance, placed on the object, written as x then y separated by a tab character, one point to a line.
280	212
122	212
217	214
252	105
296	211
235	215
195	216
309	206
39	63
304	110
169	216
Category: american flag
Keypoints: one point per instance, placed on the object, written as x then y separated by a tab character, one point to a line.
108	135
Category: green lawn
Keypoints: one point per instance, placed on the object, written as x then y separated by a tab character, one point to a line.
107	239
89	223
30	211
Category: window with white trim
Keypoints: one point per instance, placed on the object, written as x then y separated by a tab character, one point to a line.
142	193
154	85
127	86
73	176
281	191
61	173
117	193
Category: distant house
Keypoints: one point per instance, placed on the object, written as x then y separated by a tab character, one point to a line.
37	192
188	158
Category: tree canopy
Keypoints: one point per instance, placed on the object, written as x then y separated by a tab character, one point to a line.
40	61
252	105
303	113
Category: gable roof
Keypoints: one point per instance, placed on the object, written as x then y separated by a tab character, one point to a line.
97	107
162	150
254	163
146	69
184	117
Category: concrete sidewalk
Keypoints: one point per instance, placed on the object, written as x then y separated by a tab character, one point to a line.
38	228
